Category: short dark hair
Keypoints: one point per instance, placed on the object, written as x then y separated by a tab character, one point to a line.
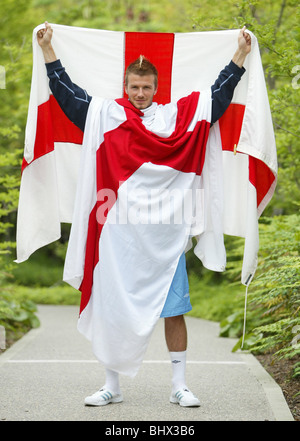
141	66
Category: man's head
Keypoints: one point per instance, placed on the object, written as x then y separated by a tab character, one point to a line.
141	82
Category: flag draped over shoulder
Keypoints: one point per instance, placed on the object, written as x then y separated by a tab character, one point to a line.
133	216
238	175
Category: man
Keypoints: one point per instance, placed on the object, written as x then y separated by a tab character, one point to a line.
141	85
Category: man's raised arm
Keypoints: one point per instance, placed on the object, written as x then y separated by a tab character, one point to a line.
73	100
223	88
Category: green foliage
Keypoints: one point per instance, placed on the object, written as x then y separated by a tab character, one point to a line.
212	296
9	195
43	269
297	372
57	294
12	312
16	316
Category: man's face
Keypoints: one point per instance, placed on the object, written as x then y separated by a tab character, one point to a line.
140	90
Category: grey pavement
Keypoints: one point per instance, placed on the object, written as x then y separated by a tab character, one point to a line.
46	375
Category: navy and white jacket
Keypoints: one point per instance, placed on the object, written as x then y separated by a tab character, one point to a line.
75	101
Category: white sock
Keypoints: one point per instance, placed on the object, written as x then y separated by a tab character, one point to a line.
178	360
112	381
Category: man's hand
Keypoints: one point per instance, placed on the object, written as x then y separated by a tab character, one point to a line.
44	37
244	41
244	47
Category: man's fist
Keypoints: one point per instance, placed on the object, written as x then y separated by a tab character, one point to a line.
244	41
44	36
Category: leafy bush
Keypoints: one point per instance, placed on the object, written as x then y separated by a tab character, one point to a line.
13	312
16	317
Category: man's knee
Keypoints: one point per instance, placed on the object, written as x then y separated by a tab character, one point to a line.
175	323
175	319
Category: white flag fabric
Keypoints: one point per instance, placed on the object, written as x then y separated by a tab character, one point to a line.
238	176
128	235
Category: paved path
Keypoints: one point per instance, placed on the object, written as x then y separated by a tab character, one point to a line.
46	375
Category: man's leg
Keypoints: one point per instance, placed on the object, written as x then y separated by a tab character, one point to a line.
176	339
176	333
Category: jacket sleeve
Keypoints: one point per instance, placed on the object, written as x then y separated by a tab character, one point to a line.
73	100
223	89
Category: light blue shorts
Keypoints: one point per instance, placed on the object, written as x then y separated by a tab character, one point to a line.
178	299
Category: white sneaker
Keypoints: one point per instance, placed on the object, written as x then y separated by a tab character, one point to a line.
185	398
103	397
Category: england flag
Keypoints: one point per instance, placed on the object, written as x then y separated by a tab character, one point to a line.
138	186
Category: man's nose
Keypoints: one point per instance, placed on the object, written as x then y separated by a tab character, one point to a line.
140	92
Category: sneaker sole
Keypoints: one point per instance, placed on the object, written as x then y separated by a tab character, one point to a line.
175	401
104	403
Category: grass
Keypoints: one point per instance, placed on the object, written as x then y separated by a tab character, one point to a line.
62	294
38	271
